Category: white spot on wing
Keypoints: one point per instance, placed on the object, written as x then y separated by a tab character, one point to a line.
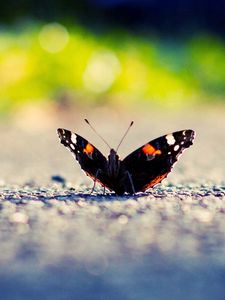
176	147
72	146
73	138
170	139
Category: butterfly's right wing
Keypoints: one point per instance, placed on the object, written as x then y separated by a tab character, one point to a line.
151	163
91	160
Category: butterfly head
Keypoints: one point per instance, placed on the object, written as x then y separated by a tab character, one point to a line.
113	156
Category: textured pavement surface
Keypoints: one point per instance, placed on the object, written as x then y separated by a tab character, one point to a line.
60	242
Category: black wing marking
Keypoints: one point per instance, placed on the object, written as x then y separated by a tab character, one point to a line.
151	163
91	160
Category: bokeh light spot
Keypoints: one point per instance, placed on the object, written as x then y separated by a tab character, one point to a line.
101	72
53	37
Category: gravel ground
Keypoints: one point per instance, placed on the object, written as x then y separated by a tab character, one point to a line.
60	242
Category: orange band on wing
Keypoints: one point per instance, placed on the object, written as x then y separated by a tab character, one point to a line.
88	149
149	149
158	179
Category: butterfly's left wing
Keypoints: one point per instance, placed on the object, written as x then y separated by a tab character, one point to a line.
151	163
91	160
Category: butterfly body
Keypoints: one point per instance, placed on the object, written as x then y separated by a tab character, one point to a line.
139	171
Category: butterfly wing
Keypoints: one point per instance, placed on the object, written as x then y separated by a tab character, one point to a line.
151	163
91	160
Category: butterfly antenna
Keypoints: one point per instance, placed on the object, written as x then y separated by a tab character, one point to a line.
97	133
132	122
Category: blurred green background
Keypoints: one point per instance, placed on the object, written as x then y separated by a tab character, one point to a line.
119	53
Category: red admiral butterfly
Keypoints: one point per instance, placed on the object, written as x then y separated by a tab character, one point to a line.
139	171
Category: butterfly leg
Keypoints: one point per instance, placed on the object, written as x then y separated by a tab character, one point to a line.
131	181
96	176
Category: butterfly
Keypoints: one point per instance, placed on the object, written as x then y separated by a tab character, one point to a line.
139	171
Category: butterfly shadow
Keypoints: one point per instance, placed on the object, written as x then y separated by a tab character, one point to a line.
76	196
88	194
